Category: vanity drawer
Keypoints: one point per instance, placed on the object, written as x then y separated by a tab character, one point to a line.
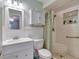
24	54
17	47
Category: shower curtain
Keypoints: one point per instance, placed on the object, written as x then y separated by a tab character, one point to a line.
48	30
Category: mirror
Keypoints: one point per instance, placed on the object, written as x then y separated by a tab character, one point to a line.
14	20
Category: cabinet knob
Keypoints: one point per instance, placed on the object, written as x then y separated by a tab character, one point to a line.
16	56
25	54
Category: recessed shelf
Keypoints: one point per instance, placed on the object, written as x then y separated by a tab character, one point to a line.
70	17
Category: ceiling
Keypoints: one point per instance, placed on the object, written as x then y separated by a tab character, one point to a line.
58	5
46	2
62	4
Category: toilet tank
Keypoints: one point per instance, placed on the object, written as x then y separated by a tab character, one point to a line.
38	43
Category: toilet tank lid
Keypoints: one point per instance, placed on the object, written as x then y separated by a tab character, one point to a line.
45	53
38	40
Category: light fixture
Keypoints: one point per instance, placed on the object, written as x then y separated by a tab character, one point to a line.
15	3
21	4
9	2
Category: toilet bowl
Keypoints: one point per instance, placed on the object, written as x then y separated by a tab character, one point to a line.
43	53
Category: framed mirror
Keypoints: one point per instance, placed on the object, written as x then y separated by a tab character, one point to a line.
14	18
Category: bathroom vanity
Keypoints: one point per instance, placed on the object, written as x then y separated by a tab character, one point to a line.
18	49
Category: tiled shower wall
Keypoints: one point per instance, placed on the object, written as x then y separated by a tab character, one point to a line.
63	30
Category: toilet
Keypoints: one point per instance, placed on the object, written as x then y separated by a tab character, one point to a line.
43	53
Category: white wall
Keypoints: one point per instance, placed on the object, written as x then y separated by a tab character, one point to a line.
67	30
0	26
0	29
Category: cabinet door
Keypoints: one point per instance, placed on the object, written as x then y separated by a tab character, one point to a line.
12	56
27	54
9	57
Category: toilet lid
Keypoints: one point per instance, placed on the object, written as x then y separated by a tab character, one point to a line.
44	53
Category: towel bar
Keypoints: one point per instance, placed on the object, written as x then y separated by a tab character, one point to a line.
72	37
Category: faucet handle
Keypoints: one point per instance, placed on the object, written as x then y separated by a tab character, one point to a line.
16	37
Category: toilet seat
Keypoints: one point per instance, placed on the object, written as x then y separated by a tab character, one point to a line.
44	53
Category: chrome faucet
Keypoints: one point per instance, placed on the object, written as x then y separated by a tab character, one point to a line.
16	37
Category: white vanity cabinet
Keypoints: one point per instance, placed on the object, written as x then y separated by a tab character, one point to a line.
18	51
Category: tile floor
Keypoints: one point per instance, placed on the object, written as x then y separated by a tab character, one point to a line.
63	57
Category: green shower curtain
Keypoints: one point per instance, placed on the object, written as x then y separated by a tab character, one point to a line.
48	30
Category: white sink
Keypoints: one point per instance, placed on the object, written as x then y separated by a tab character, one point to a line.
16	41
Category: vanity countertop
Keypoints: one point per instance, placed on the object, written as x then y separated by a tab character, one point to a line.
16	41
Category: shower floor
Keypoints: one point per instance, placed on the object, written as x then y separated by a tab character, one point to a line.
64	57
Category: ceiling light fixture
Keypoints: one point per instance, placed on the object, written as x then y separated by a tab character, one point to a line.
9	2
15	3
21	4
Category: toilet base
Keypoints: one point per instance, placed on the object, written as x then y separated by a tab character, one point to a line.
54	58
44	58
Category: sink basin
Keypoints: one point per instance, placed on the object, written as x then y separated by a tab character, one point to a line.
12	41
